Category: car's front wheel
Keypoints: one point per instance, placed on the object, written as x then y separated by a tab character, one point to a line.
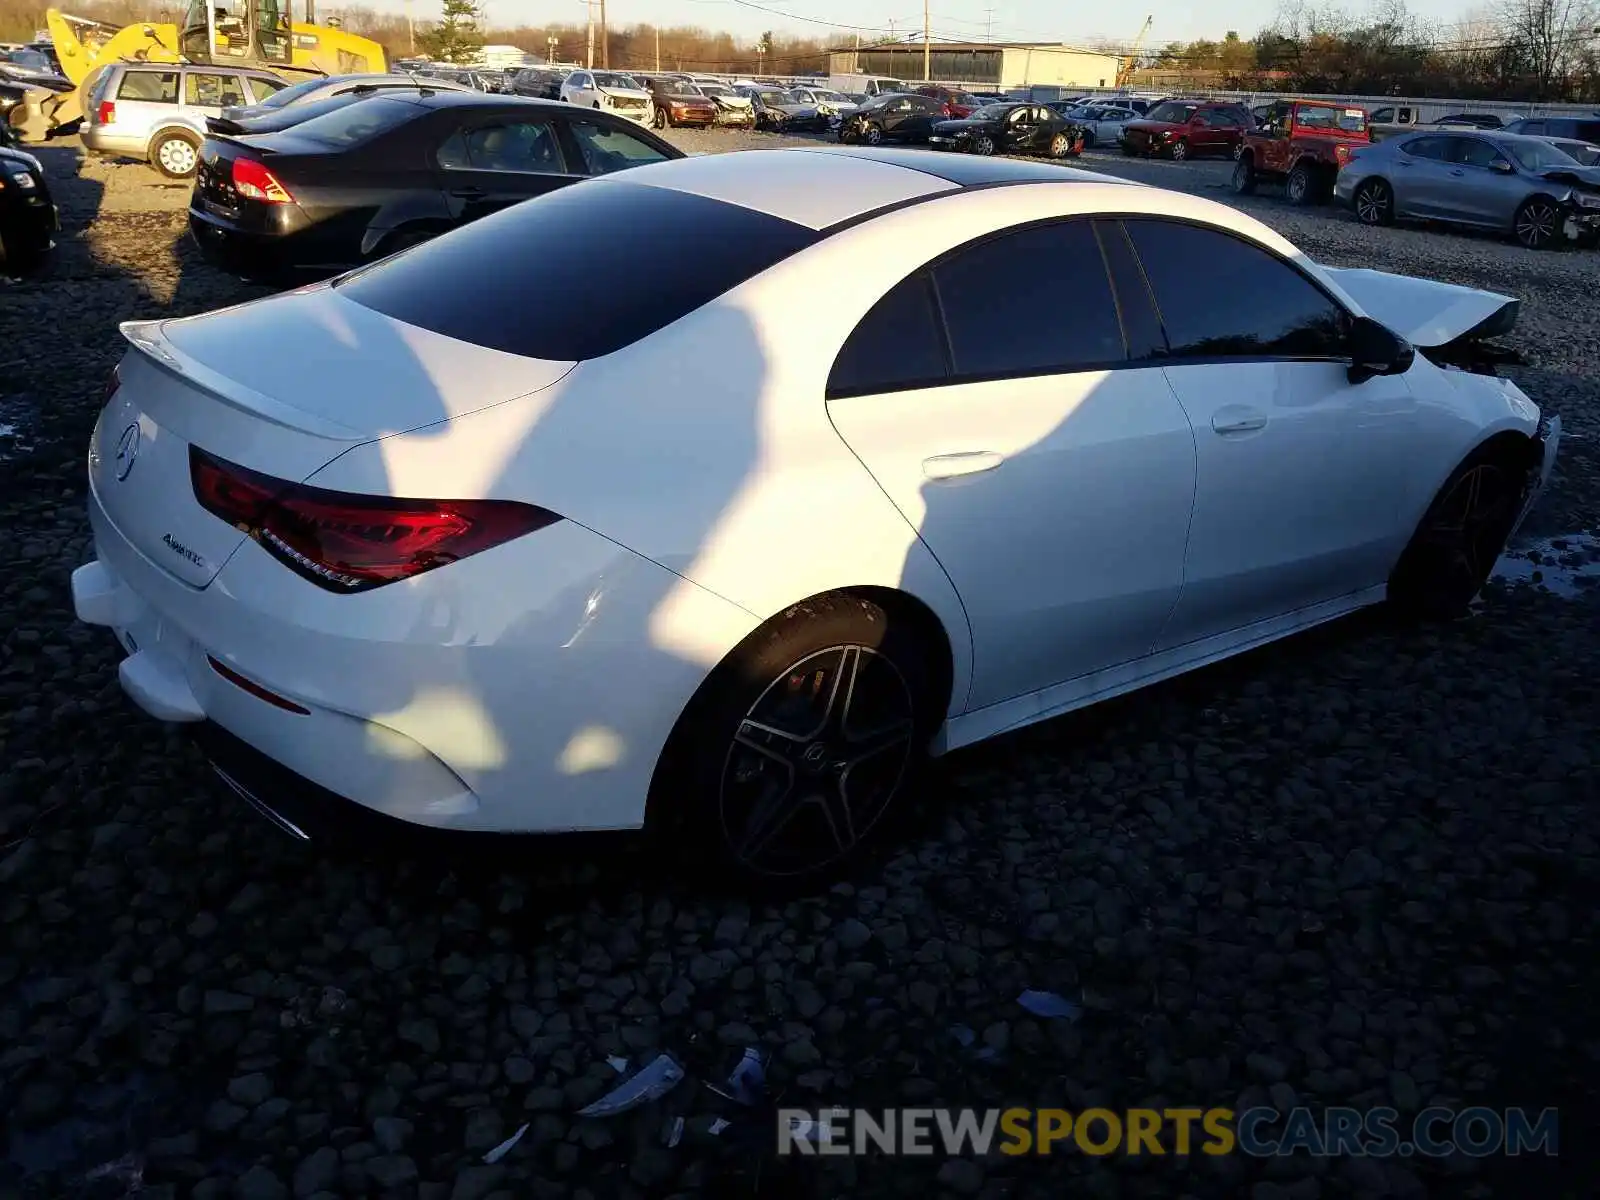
661	120
1461	536
1179	150
175	155
983	144
1537	223
1301	185
1244	176
873	135
800	745
1060	146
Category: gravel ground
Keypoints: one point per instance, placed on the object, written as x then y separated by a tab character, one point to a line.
1349	870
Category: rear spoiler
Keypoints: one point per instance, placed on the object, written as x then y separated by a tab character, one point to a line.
149	339
223	125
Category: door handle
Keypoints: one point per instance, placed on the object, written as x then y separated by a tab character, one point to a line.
1234	420
1458	171
952	466
469	193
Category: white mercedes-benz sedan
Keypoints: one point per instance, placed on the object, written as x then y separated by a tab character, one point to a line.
659	546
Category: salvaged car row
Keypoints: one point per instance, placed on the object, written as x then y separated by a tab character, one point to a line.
309	179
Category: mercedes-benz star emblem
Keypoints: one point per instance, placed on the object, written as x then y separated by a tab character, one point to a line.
127	451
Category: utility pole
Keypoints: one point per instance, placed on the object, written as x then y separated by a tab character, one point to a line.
411	29
311	12
605	41
927	48
588	59
658	50
988	25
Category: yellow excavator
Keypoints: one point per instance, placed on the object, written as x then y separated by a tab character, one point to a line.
239	33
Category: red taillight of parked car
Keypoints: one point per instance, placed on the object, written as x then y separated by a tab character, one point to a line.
106	113
945	110
351	543
251	179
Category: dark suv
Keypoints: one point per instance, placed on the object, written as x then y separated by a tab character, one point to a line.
1180	129
1580	129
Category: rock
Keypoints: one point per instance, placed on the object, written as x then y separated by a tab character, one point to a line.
1265	1068
317	1172
217	1002
477	1181
852	934
259	1183
1407	1096
484	1129
518	1069
391	1133
801	1053
391	1170
221	1116
420	1032
250	1090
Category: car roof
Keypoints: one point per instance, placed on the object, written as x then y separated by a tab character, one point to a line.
821	186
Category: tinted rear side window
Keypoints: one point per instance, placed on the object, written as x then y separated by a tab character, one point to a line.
623	261
897	345
1002	296
1219	296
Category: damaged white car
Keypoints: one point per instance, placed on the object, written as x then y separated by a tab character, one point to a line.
689	553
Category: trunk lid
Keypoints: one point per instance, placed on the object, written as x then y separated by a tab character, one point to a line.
283	386
1425	312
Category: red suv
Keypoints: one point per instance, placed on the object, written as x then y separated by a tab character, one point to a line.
1180	129
960	104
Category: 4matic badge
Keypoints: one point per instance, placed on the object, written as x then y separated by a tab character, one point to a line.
183	551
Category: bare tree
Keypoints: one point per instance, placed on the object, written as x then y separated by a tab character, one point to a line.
1552	34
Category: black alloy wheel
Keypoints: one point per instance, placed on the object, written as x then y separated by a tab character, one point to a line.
1460	539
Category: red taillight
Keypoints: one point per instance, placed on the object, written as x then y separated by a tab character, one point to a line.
252	179
106	113
351	543
255	689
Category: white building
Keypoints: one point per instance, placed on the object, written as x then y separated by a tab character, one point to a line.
983	65
503	58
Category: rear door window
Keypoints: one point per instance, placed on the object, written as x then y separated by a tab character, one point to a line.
204	89
153	87
524	147
994	291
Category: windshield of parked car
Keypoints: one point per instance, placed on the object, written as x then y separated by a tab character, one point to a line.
613	80
715	89
1536	155
1327	116
1586	154
990	112
774	98
1172	113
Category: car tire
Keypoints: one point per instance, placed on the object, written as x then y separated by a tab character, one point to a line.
775	714
1179	150
1301	186
175	154
1088	139
661	120
1127	150
1060	146
1373	203
1537	224
1244	177
983	144
1460	537
873	134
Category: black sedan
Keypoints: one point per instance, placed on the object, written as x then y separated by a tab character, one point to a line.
1011	129
28	220
386	172
896	117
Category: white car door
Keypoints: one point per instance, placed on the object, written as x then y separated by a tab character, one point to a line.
1051	476
1302	475
579	89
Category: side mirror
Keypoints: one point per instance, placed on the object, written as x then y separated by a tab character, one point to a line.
1376	349
1501	167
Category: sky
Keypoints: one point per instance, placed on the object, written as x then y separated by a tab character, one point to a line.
1003	20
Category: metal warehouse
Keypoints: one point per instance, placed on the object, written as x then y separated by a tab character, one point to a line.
983	64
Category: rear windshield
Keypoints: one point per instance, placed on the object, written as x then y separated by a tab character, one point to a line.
292	93
630	259
1317	116
352	124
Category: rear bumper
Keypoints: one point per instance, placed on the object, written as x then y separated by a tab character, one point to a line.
267	257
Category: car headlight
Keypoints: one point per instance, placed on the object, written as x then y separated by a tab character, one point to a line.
24	181
1587	199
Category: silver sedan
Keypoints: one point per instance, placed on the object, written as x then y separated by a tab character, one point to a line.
1523	186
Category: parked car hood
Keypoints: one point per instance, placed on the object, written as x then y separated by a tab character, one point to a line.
688	98
1148	126
625	93
1587	178
1425	312
732	101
